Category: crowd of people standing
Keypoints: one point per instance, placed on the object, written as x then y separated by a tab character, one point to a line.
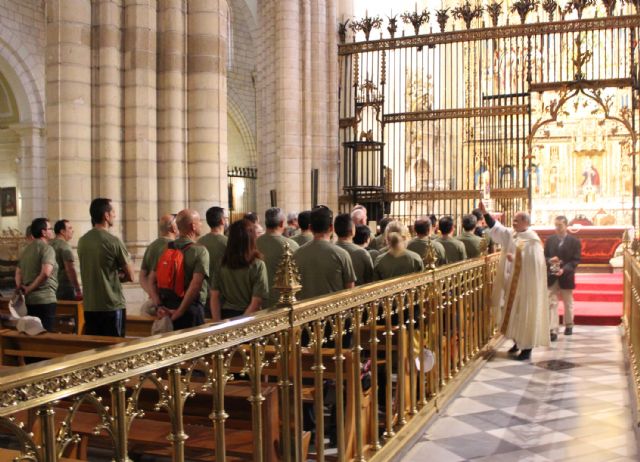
230	270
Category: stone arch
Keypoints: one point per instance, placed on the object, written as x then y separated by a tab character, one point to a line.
17	69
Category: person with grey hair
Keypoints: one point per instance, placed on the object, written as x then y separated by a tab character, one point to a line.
519	297
472	243
271	246
167	231
359	215
293	228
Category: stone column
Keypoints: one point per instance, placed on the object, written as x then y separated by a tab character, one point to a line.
140	177
107	103
207	103
171	106
68	112
31	174
289	126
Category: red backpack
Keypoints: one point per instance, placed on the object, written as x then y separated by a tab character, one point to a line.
170	275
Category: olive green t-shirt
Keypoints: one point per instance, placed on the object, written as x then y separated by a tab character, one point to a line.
271	247
102	255
32	258
471	244
361	261
64	253
216	244
391	266
453	248
419	246
196	260
302	239
324	268
377	242
152	254
238	286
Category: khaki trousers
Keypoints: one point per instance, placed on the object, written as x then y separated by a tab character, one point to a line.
567	299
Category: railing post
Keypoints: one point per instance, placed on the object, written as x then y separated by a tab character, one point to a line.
288	282
119	413
176	398
219	415
256	399
47	421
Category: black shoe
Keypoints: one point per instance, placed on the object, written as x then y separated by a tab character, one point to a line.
524	355
568	331
514	348
554	336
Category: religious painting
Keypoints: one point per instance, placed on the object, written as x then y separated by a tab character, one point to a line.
8	203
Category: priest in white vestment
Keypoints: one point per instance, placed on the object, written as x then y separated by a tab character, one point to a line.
519	298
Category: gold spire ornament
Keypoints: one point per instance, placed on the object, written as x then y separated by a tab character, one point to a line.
430	257
287	279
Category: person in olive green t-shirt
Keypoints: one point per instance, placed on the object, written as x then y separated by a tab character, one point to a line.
36	274
454	249
68	285
271	246
104	265
397	261
186	311
168	231
240	286
215	241
305	233
324	267
420	243
360	258
468	237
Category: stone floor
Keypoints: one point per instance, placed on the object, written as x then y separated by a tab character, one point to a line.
570	403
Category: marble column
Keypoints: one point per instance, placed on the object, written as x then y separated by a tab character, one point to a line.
140	172
68	112
107	103
171	106
207	41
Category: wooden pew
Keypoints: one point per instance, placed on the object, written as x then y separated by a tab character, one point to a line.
10	454
139	325
17	349
73	309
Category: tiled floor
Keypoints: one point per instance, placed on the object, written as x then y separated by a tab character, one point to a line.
514	411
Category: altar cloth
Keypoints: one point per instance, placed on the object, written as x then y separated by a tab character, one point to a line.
598	243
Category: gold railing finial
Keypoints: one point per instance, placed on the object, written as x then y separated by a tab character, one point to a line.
287	279
627	239
430	257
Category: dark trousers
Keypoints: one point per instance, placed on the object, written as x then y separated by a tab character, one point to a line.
194	316
46	313
109	323
66	293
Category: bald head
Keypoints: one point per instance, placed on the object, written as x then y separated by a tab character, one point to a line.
188	221
167	225
521	221
359	215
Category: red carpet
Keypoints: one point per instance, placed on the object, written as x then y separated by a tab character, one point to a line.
597	299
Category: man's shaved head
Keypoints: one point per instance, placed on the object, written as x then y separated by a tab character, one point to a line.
186	220
167	224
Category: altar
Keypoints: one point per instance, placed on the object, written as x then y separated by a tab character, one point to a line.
598	243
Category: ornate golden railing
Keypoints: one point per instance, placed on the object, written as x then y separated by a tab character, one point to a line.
379	337
631	313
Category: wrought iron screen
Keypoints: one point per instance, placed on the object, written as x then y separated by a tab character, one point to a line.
457	112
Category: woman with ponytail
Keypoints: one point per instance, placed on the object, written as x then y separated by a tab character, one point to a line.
397	260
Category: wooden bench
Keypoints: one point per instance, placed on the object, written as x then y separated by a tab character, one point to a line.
18	349
73	309
10	454
139	325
